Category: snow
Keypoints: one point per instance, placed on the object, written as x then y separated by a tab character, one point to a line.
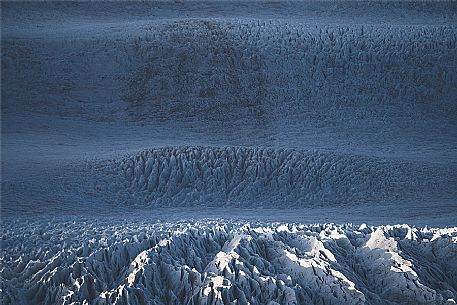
227	152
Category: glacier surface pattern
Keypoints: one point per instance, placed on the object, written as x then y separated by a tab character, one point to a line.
191	152
219	262
260	176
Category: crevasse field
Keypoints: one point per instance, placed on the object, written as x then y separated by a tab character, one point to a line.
228	152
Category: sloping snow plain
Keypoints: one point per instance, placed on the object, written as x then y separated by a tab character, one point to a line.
228	152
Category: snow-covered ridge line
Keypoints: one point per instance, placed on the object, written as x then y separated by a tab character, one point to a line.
211	262
250	176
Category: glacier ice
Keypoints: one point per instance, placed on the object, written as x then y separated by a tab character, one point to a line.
250	176
174	152
221	262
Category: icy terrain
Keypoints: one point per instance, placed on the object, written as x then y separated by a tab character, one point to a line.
195	152
219	262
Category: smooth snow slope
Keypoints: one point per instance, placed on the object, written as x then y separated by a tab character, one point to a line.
149	150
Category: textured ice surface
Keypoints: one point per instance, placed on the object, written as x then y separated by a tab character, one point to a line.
275	76
174	136
136	262
252	176
234	176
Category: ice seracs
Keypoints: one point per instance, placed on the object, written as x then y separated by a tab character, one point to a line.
262	176
223	262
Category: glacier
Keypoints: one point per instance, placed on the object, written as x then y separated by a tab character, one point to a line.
213	261
254	176
228	152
